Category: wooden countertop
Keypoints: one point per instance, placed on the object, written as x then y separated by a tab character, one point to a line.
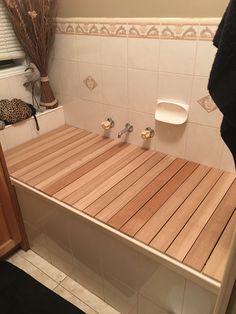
180	208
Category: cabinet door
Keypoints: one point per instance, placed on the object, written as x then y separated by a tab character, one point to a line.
11	226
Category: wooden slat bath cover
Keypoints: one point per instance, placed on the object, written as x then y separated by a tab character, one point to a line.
180	208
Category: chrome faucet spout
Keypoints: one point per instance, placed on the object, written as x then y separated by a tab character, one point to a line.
128	128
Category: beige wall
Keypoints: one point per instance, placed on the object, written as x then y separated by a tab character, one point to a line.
141	8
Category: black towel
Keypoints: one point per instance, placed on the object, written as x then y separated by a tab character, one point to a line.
222	82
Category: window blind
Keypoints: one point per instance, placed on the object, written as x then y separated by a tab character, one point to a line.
10	48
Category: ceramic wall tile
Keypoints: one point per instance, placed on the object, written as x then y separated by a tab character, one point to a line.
204	145
114	82
141	121
88	277
114	51
60	256
121	297
119	260
65	47
88	49
177	56
227	161
48	121
18	133
175	87
197	113
54	76
4	89
17	90
37	240
142	89
146	306
198	300
68	76
85	114
171	139
89	82
143	54
204	58
85	249
120	116
166	289
160	285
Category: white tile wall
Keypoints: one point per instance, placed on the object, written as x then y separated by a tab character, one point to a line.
131	74
177	56
198	301
24	131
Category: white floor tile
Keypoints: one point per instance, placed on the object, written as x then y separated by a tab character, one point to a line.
72	299
40	263
33	271
87	297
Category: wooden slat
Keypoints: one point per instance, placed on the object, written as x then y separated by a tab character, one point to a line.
41	152
169	232
123	185
76	153
20	149
172	181
57	175
68	149
133	206
115	206
81	171
42	173
181	208
188	235
107	185
67	134
158	220
88	148
204	245
88	182
216	264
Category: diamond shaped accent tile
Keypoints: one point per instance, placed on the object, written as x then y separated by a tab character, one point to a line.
90	83
207	103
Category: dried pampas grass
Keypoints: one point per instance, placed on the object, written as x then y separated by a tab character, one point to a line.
34	24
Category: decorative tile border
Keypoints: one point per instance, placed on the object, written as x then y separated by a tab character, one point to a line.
180	29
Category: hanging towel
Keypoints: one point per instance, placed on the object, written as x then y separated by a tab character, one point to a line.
222	82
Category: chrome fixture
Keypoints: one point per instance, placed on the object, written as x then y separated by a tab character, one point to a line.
128	128
108	124
147	133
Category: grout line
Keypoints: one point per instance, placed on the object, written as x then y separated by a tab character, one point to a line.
80	299
40	268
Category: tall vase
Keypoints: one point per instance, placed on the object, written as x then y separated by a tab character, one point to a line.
47	98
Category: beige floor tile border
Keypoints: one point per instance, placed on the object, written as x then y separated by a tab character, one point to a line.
155	28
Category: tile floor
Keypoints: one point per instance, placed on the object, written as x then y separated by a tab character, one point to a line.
57	281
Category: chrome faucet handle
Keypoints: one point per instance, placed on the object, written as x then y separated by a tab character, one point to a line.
129	127
147	133
108	124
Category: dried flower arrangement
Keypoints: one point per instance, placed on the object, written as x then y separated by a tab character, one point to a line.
35	27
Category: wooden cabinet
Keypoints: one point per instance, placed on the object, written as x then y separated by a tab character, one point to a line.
12	233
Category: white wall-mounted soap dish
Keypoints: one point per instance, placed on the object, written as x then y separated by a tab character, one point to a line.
173	113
